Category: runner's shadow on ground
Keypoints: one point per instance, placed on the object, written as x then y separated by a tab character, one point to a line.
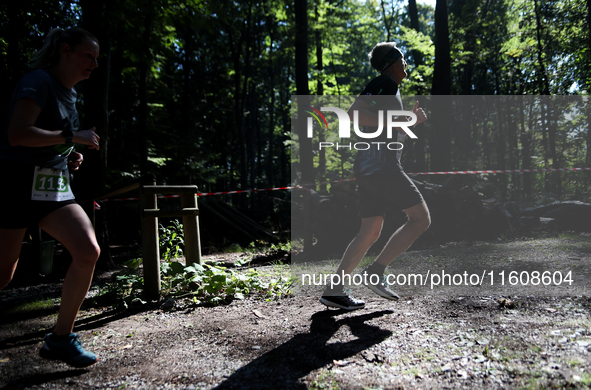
282	367
41	379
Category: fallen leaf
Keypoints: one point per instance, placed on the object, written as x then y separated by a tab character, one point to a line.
479	359
341	363
504	302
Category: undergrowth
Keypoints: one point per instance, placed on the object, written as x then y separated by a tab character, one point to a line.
209	283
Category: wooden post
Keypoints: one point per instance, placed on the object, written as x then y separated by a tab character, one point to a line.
150	243
191	229
150	215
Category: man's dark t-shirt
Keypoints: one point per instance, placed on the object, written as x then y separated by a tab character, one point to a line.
378	158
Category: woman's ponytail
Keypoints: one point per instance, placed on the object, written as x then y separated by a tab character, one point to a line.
43	56
49	54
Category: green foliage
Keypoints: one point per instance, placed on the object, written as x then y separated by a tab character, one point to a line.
420	77
284	246
264	246
210	283
215	284
172	240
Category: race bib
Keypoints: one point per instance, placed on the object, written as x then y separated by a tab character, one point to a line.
51	185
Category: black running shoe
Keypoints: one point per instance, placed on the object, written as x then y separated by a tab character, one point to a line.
382	288
345	302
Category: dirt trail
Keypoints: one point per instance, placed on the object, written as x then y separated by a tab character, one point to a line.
294	343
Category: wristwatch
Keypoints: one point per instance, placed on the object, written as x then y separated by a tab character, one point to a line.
68	135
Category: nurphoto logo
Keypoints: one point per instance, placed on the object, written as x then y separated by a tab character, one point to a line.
395	119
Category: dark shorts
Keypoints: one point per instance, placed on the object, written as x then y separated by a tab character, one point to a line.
17	210
379	193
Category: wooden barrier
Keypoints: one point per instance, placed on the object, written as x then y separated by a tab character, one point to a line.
150	213
150	241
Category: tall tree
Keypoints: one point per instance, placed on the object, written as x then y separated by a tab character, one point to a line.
144	69
413	13
92	176
301	74
441	141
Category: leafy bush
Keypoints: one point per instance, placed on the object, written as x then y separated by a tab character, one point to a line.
172	240
199	284
216	284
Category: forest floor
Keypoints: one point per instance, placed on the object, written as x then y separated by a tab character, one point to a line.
418	342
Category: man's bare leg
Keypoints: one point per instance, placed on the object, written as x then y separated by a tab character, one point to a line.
418	221
368	234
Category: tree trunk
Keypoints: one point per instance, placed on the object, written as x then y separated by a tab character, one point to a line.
301	47
418	149
526	152
441	150
91	178
555	186
301	74
442	70
413	13
245	39
144	68
544	84
320	92
500	130
387	23
588	156
271	131
588	68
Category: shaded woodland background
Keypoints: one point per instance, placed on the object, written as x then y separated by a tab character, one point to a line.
198	92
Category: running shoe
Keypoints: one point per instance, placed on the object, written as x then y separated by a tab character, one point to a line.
382	288
345	302
68	350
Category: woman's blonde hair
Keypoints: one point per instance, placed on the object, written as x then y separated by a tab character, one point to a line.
49	54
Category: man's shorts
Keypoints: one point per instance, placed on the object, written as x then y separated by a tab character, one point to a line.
17	210
381	192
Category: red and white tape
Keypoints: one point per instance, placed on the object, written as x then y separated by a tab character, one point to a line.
501	171
238	192
343	180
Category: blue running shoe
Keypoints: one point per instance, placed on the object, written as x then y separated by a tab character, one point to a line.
68	350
